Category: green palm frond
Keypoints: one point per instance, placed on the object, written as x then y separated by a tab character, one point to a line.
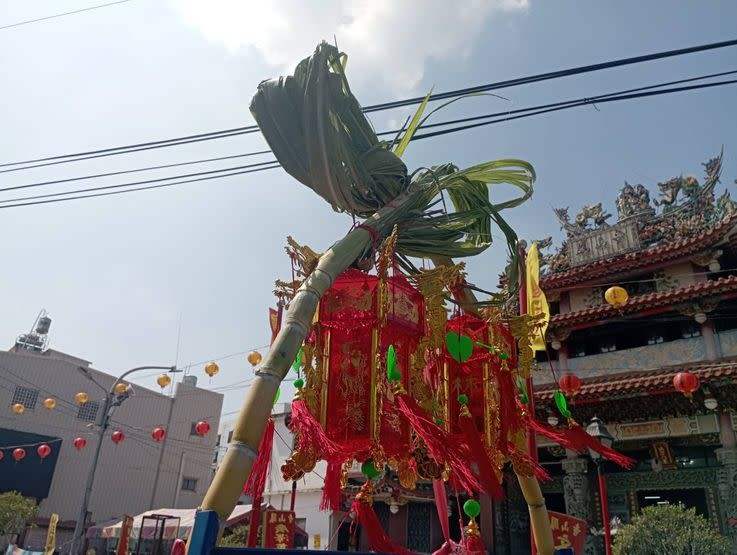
319	134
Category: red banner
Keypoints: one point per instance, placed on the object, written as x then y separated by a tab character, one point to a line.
125	532
279	529
568	531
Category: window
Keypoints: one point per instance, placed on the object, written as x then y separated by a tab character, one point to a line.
189	484
690	329
25	396
230	435
193	429
88	411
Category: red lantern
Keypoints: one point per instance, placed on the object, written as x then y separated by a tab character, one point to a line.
569	384
686	383
1	455
117	436
158	434
202	428
19	454
43	451
80	443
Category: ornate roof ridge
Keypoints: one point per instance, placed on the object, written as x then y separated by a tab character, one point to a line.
649	300
634	260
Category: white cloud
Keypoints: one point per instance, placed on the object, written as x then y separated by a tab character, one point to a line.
388	41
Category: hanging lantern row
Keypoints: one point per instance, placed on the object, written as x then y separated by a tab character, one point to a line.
19	453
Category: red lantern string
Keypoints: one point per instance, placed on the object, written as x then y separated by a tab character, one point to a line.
117	436
158	434
80	443
19	454
202	428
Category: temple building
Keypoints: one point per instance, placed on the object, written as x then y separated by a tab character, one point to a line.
676	257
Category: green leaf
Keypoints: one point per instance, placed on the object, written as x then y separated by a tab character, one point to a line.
562	404
391	361
297	364
524	397
276	397
402	146
459	347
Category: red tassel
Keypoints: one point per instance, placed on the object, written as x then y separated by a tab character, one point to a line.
479	455
578	436
310	435
377	538
509	414
576	439
439	443
260	469
331	491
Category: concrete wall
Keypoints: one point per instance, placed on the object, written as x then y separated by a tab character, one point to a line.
129	477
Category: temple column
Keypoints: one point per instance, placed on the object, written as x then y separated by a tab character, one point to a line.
727	476
710	344
576	490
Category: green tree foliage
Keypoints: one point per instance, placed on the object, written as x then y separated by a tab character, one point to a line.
669	530
238	538
15	512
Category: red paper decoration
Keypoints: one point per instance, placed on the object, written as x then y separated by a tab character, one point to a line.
158	434
202	428
19	454
80	443
43	451
117	436
569	384
686	383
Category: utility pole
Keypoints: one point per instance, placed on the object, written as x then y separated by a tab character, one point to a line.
111	400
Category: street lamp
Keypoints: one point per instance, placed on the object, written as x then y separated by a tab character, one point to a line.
111	400
596	429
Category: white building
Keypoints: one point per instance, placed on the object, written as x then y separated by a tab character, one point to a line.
133	476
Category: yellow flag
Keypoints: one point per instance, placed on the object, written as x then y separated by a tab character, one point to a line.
536	301
51	535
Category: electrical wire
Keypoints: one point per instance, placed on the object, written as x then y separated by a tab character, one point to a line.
612	97
62	14
380	107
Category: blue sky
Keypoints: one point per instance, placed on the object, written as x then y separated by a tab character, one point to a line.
119	274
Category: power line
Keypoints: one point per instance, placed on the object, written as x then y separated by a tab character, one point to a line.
529	112
62	14
379	107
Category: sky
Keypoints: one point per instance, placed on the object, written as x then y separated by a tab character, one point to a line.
184	274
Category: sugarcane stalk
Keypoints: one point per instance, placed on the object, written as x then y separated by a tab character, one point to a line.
231	476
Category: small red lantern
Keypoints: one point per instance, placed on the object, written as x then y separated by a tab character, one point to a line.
1	455
202	428
19	454
569	384
80	443
158	434
686	383
117	436
43	451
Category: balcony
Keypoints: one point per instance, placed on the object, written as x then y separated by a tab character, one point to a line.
670	353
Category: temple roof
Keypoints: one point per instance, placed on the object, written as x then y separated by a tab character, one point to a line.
660	301
686	218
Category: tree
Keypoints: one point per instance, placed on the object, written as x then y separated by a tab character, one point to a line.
15	512
239	538
669	530
320	136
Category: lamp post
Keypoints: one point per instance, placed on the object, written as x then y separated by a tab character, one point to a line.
111	400
597	430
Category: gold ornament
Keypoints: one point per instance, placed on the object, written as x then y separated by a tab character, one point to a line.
163	380
81	398
254	358
121	388
211	369
472	529
616	296
18	408
50	403
407	475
